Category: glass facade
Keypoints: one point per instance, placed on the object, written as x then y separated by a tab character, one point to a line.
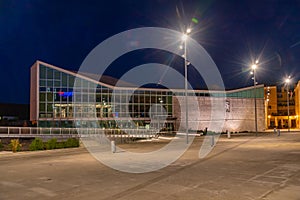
66	99
61	100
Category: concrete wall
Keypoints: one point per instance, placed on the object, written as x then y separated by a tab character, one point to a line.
219	114
34	92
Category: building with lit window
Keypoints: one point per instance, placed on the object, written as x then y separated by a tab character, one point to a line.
56	101
282	107
297	103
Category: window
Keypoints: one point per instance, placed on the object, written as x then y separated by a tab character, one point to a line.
42	72
49	73
42	83
57	75
49	96
42	107
71	81
49	107
42	96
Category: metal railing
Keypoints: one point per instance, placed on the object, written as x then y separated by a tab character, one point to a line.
79	132
36	130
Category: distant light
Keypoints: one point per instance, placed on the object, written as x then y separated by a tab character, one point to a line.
288	80
254	66
188	30
180	47
184	37
256	62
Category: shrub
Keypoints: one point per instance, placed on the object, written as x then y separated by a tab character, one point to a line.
36	144
51	144
72	142
1	145
60	145
15	145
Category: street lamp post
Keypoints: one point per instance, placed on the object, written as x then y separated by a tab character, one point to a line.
254	66
287	81
184	39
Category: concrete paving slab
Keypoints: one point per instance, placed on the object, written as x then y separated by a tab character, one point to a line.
242	167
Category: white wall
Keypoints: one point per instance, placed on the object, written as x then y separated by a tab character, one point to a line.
211	112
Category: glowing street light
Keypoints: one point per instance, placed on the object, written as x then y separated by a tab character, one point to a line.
254	67
287	81
184	38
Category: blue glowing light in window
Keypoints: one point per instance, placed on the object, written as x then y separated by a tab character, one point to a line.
65	94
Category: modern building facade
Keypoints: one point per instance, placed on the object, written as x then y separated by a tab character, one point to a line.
62	98
282	107
297	103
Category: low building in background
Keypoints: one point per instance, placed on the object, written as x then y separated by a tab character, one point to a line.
56	101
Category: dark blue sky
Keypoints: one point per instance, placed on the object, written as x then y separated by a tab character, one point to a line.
62	33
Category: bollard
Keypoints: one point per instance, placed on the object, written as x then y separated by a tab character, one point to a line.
212	141
113	146
275	131
228	134
278	132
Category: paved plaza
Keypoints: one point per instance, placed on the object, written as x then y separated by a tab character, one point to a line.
243	167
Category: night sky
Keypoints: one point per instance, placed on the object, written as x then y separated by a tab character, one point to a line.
234	33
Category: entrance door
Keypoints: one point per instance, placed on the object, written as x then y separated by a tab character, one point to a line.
279	124
293	123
